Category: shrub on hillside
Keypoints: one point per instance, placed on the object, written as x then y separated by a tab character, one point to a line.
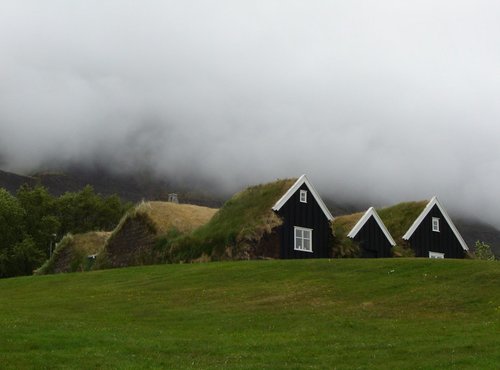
483	251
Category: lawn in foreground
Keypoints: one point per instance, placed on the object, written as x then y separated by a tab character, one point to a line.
344	314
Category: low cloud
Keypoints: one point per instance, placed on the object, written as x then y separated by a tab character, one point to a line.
379	102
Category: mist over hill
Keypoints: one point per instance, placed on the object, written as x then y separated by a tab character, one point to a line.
132	187
378	102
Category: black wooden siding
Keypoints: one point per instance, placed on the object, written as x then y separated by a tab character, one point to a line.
372	240
424	239
309	215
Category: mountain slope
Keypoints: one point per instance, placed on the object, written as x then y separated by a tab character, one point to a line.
11	181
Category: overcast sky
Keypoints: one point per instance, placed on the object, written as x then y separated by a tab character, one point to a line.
375	100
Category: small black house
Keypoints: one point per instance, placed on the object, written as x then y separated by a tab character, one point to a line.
306	229
372	236
434	235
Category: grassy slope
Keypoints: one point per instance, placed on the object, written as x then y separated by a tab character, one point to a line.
344	314
245	217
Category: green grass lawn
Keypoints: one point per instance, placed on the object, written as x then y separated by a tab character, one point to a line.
317	314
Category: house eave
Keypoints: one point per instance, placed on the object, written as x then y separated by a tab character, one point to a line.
300	181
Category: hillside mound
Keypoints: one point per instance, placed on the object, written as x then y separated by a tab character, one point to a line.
134	239
244	228
75	253
397	219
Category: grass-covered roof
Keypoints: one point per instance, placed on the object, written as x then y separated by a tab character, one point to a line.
183	217
162	217
400	217
72	251
397	219
245	218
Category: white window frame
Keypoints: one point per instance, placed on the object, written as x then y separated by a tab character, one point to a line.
303	196
435	224
301	235
436	255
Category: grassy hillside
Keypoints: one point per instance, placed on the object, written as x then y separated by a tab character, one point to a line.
316	314
236	227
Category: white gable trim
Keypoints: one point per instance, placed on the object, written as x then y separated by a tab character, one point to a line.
434	201
371	212
303	180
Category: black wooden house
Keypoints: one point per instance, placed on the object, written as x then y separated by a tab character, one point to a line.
372	236
306	229
434	235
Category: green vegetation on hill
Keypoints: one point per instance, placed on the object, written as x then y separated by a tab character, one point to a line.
315	314
241	222
397	219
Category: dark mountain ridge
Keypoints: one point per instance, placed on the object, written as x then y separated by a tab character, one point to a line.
129	187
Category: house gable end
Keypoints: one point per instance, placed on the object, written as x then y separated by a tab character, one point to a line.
423	215
371	212
303	180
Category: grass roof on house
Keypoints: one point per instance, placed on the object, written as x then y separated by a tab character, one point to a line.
242	220
400	217
71	253
397	219
134	239
183	217
162	217
143	223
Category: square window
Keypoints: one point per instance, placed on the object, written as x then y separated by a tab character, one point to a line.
303	196
303	239
435	224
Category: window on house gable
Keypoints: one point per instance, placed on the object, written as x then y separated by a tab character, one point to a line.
436	255
303	196
303	239
435	224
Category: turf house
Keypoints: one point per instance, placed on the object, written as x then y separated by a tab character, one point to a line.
281	219
306	229
134	241
434	235
372	236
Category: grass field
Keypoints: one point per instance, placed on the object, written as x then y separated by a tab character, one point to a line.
314	314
